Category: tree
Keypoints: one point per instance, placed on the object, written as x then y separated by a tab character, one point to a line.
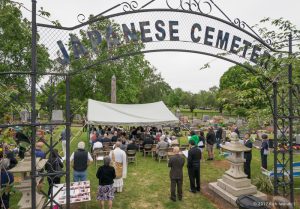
240	91
15	55
191	101
137	81
175	98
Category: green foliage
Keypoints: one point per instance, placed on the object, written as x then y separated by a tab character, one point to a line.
15	55
263	184
136	80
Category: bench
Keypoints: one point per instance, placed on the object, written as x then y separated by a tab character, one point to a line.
270	174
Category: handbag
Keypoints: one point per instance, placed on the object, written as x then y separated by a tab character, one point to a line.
266	151
118	167
200	144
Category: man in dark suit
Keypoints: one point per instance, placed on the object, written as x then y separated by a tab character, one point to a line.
194	157
176	164
248	156
264	151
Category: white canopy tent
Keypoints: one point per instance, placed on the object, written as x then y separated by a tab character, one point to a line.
129	114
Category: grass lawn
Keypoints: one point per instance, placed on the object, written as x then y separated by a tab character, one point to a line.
147	184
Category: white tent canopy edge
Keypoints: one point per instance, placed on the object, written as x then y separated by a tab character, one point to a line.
102	113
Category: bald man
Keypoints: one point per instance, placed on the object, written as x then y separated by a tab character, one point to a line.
119	158
176	164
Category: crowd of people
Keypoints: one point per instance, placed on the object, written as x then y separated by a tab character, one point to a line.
112	173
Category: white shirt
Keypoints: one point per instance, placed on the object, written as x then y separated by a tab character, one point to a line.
97	145
120	157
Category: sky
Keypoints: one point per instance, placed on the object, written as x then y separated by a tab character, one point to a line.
179	69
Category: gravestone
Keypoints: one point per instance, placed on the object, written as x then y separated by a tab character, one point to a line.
239	122
298	139
24	115
205	118
78	117
57	115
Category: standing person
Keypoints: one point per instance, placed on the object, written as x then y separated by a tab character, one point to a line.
219	137
106	175
7	179
80	160
118	157
193	164
210	140
248	155
176	164
53	165
236	130
264	151
201	143
194	137
63	137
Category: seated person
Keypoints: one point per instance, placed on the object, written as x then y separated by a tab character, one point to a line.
174	140
38	150
105	139
161	144
97	145
114	138
123	144
132	145
148	140
11	156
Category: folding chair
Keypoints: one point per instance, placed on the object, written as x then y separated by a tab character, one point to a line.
147	149
98	155
162	154
153	150
131	156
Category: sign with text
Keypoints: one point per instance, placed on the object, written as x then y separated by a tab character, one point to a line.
188	32
79	192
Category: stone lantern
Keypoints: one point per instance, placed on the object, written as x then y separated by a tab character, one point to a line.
24	168
234	182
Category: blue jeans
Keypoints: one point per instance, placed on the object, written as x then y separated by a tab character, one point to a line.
79	175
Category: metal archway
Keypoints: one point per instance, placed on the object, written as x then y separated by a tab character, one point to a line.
218	36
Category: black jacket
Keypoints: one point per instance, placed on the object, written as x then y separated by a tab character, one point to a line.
176	164
248	155
106	175
211	138
219	133
148	140
132	146
194	157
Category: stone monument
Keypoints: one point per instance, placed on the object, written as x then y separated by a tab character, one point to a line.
113	89
234	182
24	168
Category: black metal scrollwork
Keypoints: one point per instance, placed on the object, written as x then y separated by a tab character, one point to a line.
201	6
244	25
239	23
81	18
130	6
